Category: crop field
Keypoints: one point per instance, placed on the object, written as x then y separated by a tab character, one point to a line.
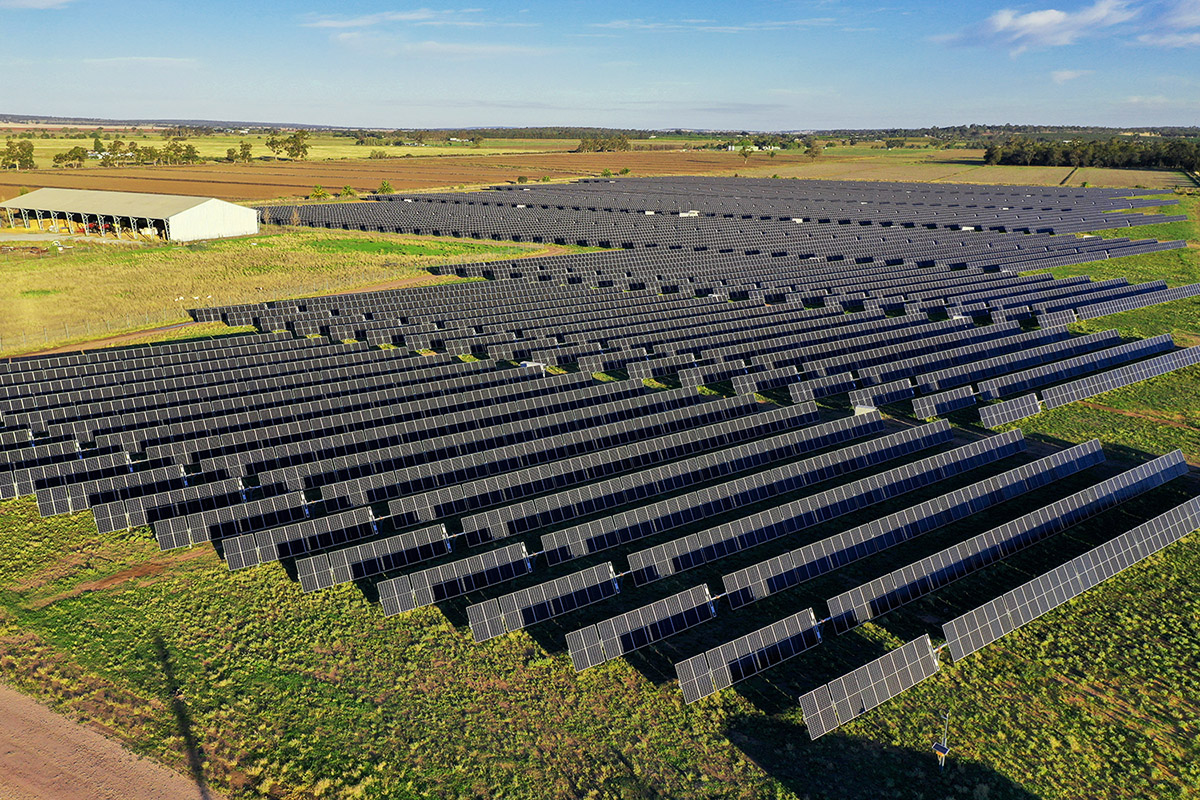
99	289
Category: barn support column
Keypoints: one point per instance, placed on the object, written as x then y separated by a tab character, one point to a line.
25	218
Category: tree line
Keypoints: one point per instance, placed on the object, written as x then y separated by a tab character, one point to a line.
616	143
119	153
1117	153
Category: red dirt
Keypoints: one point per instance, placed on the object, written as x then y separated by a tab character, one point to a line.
146	569
44	755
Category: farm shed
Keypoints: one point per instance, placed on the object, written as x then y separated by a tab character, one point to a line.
177	218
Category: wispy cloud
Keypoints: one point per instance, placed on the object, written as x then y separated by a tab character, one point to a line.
1158	102
393	46
424	17
1183	14
34	4
1177	27
1170	39
141	61
711	26
1046	27
1061	76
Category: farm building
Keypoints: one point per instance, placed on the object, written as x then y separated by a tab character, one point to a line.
177	218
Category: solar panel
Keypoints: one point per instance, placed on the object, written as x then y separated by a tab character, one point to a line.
834	704
747	656
981	626
429	586
635	629
1057	396
920	578
817	558
554	598
1007	411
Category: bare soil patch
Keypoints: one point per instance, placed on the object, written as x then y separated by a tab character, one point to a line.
45	755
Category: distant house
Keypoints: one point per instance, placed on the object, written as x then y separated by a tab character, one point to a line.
177	218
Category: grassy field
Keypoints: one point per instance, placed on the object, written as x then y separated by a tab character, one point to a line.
947	166
96	289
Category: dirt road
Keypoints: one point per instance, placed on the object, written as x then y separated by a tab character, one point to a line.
44	755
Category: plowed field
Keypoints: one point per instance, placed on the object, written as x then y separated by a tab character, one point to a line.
260	181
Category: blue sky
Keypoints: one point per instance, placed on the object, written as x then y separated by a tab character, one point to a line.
766	65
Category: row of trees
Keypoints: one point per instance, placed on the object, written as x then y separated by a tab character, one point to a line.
118	153
603	144
1117	153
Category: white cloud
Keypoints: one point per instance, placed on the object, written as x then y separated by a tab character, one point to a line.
34	4
1158	101
1170	39
1061	76
141	61
392	46
1044	28
462	18
711	26
1172	28
1184	14
1053	28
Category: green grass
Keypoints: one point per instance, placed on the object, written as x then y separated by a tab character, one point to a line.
95	289
288	692
300	696
439	248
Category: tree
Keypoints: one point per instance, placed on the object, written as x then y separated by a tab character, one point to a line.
231	155
97	145
319	193
745	153
244	152
385	187
275	145
347	191
72	158
17	155
476	140
893	144
190	155
814	151
296	145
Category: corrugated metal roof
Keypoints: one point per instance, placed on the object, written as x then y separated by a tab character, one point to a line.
121	204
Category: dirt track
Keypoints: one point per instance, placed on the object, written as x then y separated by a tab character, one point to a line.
44	755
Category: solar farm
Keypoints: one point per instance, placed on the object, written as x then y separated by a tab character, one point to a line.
751	391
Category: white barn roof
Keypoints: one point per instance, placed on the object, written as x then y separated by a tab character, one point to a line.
180	218
90	201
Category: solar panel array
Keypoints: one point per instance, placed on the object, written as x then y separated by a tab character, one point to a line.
349	436
983	625
871	685
915	580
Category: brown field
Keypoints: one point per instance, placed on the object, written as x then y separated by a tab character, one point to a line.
263	181
286	179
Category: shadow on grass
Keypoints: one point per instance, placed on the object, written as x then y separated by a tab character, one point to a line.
839	767
183	719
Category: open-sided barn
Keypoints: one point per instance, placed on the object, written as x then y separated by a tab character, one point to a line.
174	217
